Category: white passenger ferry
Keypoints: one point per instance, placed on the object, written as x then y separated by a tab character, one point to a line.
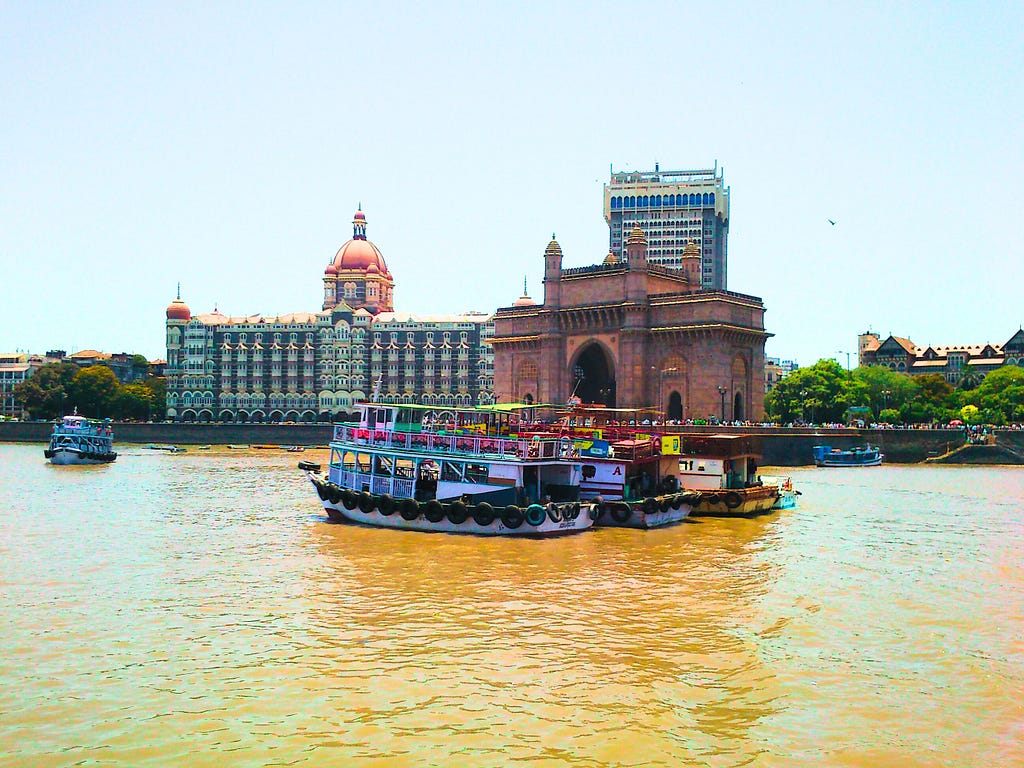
78	440
456	470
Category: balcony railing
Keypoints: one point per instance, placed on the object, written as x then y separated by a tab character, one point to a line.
457	445
398	487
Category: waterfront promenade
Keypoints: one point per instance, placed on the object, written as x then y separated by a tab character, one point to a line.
783	446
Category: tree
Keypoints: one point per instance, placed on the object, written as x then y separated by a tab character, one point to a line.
1000	396
969	414
134	401
45	395
821	393
94	391
886	389
158	397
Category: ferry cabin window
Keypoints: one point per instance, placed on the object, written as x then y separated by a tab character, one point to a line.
349	461
404	469
383	466
452	472
363	463
476	473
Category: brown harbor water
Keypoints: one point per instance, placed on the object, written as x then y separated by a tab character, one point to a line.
197	609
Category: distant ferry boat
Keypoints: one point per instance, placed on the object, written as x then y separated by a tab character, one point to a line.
866	456
78	440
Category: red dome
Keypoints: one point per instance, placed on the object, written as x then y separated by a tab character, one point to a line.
360	216
178	310
358	254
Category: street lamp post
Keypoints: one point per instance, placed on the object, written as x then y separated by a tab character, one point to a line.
721	393
841	352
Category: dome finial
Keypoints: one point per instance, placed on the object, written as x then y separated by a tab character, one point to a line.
179	290
524	285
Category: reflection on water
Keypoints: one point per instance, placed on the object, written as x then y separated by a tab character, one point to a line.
199	607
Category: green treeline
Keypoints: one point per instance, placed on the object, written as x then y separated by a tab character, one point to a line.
825	393
59	388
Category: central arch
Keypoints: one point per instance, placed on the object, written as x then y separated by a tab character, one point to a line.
592	374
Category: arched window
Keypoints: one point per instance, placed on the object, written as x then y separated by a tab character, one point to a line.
711	199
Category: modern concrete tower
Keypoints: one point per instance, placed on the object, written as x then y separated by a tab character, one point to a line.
674	209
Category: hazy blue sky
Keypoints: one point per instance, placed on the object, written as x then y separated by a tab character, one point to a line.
226	145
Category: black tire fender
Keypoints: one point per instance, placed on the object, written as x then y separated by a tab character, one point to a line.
409	509
386	504
483	514
457	513
620	511
433	510
733	500
554	513
366	502
349	499
512	517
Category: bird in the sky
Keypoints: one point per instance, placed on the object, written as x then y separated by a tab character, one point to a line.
831	222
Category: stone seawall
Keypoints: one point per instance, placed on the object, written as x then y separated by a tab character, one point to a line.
782	447
186	434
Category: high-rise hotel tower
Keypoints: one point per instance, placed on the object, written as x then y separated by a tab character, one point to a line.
673	208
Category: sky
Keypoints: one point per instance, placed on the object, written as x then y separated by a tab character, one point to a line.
226	146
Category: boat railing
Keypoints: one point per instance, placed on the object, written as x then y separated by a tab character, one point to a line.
398	487
84	430
485	446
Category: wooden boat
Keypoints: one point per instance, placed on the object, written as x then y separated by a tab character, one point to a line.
723	469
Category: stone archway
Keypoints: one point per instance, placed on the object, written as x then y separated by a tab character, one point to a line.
737	407
674	412
592	374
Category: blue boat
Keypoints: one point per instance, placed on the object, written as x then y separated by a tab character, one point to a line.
861	456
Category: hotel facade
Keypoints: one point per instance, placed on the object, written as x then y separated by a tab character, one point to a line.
314	366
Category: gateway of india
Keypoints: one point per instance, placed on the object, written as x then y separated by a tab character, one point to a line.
631	334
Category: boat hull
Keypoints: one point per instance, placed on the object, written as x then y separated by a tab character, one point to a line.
557	520
67	456
740	502
786	500
874	462
644	515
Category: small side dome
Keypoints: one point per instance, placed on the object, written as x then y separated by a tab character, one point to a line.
178	309
610	258
331	269
524	300
636	235
553	249
372	269
692	250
